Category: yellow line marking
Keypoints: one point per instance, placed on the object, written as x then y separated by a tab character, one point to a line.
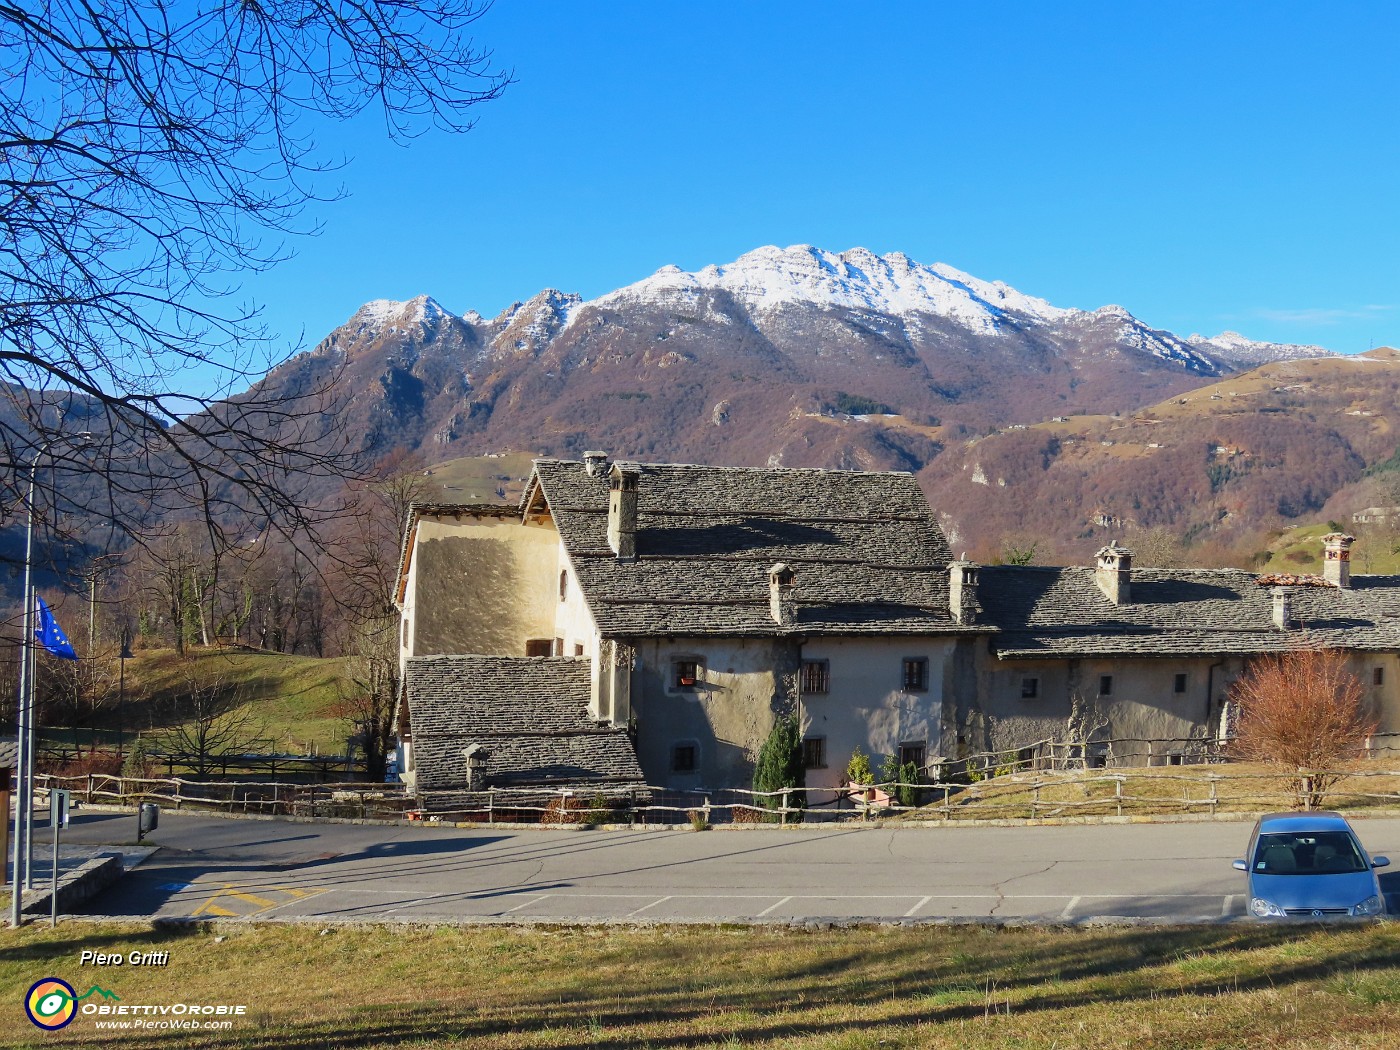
235	895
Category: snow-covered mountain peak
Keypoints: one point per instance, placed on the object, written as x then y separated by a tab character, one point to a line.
1243	351
381	314
768	279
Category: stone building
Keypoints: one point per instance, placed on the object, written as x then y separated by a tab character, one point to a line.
704	602
1149	654
678	610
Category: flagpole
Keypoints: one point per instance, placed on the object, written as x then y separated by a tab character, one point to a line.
24	810
24	813
33	739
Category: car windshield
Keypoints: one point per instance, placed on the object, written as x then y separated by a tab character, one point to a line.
1307	853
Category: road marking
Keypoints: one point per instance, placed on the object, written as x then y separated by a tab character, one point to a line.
644	907
230	899
1068	913
771	907
910	913
1225	908
536	900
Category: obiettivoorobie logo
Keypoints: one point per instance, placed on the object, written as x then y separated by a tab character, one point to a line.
52	1003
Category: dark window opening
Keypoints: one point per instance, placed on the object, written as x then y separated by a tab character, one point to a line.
816	676
1030	688
1378	676
1179	684
558	647
916	752
685	758
578	648
814	752
537	647
686	674
1105	685
563	585
916	673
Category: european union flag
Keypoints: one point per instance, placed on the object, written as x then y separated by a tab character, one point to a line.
50	635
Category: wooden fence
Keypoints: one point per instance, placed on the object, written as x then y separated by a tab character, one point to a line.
363	801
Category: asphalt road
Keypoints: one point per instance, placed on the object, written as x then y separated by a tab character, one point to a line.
223	868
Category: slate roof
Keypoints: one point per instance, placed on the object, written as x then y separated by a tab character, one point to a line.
1061	612
868	555
529	714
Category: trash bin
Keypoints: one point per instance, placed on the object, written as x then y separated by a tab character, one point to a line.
147	819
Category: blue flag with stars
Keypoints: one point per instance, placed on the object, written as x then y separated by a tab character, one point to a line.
50	635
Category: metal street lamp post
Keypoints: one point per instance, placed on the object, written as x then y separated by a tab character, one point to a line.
121	692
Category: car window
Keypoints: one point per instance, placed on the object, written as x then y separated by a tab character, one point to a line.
1307	853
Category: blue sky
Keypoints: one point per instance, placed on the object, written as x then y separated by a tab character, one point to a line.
1207	166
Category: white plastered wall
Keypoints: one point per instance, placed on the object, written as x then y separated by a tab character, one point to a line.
867	705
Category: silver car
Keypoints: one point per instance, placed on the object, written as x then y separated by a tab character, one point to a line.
1310	865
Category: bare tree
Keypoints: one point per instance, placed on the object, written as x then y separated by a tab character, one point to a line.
210	723
1304	711
152	155
365	583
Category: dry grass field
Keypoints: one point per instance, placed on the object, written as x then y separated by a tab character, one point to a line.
957	987
1236	787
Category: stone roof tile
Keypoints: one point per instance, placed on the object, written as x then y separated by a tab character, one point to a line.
867	553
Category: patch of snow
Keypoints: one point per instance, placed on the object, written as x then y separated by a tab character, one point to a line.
1250	351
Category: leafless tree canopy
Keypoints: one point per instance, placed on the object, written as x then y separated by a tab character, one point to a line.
1305	711
152	155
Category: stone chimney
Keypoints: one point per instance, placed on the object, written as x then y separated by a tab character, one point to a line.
1283	607
1113	572
781	602
622	510
962	590
595	463
1336	558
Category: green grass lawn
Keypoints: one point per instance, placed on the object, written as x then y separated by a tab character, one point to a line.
959	987
296	696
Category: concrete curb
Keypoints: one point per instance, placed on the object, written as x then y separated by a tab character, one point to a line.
83	883
809	925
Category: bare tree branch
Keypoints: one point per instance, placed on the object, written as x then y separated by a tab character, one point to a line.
152	155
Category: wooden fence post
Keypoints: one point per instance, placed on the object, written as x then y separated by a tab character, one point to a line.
1118	793
947	805
1214	796
1035	799
782	813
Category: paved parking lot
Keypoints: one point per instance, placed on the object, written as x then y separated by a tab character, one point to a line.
213	867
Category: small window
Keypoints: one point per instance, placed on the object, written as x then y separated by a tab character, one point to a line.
916	752
1030	688
558	647
1378	676
405	632
814	752
1105	685
563	585
537	647
685	758
816	677
1179	684
916	674
685	674
578	648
